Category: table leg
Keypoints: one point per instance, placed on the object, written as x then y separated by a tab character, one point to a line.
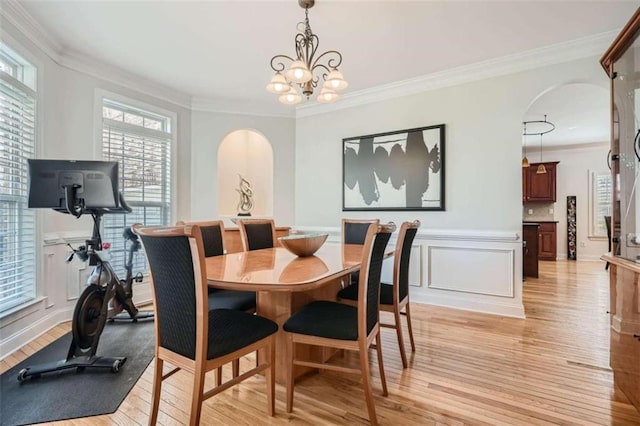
278	306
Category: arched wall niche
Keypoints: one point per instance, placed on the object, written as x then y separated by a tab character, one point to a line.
248	153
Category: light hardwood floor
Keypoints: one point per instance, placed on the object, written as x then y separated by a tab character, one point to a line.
469	368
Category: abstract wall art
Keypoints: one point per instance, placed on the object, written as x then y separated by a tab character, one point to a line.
400	170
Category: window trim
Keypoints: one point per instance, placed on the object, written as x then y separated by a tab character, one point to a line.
592	205
39	143
101	95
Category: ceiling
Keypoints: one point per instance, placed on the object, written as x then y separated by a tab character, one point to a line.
221	49
579	111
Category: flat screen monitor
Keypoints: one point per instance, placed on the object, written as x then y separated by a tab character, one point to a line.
96	183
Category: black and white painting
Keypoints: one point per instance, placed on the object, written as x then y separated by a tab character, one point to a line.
402	170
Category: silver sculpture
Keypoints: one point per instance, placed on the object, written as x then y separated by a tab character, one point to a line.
246	197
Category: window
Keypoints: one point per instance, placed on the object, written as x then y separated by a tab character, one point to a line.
600	188
141	143
17	145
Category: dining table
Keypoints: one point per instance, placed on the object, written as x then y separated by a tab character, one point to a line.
284	283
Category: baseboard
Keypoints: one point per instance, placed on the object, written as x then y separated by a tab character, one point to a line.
469	304
33	331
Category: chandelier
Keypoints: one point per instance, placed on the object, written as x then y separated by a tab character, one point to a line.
305	71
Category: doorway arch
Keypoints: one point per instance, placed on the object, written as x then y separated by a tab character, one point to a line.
580	143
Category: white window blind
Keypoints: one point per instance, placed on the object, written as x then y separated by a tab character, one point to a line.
600	194
141	143
17	144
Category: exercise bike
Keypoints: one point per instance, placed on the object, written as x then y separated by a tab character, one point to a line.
92	308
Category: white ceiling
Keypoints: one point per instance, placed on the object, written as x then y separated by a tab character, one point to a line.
221	49
579	111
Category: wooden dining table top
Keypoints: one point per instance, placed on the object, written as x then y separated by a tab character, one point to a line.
276	269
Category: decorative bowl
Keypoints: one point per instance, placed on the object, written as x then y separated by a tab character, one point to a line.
303	244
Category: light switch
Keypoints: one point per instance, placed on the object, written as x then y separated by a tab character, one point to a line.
550	211
530	211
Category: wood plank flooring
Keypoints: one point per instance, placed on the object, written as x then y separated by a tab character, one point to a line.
469	368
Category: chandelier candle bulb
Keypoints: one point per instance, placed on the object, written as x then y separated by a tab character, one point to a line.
291	97
327	96
308	67
278	84
335	81
298	72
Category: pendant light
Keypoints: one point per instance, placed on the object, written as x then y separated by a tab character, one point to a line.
541	127
525	160
541	168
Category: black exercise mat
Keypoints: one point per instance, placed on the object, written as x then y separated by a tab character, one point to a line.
68	394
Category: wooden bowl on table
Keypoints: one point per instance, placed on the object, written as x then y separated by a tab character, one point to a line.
303	244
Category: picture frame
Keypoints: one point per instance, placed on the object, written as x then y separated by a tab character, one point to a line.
395	171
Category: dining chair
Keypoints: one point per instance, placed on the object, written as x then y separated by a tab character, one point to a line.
257	234
190	336
354	231
213	241
394	297
336	325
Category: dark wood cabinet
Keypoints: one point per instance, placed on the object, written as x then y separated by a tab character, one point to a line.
539	187
530	249
547	241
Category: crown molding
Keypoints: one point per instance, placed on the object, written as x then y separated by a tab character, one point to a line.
244	107
15	14
98	69
510	64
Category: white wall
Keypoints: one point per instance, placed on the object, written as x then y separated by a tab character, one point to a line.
482	170
209	129
572	176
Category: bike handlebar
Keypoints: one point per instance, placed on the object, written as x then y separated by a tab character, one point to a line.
79	210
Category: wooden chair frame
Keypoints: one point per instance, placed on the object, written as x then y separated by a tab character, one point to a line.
348	279
346	221
365	340
235	364
243	231
398	305
201	365
205	223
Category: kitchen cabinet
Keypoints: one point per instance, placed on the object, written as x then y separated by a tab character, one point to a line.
539	187
547	241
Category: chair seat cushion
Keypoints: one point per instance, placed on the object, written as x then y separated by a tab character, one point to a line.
351	293
325	319
230	299
231	330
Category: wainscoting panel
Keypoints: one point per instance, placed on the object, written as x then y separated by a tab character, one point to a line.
486	270
476	270
415	266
